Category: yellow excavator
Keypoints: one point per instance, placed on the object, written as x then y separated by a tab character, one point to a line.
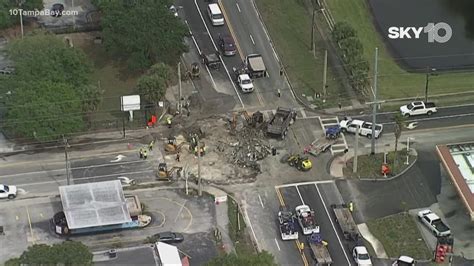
302	163
163	174
171	147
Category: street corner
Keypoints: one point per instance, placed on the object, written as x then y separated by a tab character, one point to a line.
173	210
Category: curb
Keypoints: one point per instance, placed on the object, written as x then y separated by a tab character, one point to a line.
328	170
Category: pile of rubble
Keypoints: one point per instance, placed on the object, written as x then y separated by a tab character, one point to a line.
246	148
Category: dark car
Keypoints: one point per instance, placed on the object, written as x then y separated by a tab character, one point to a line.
227	45
168	237
57	10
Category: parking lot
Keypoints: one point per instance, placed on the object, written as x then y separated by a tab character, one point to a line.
26	222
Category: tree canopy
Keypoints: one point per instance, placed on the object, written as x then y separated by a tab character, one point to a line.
50	93
47	57
152	86
43	110
7	19
261	259
142	32
65	253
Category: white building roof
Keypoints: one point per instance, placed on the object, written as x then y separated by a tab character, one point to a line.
169	255
94	204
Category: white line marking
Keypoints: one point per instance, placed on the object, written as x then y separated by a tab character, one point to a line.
432	118
251	228
303	113
251	38
278	246
75	168
180	210
332	223
220	57
261	202
301	198
304	183
238	7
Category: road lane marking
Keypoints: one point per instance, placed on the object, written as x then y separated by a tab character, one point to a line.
303	256
215	47
332	224
278	246
301	198
280	198
81	179
251	38
31	227
231	29
261	202
238	7
234	36
304	183
75	168
180	210
432	118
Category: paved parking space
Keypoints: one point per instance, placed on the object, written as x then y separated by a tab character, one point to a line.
172	210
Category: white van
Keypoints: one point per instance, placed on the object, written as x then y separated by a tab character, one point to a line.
215	14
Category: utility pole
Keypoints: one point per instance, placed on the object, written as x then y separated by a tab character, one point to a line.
21	18
325	73
179	87
199	166
356	148
66	144
429	72
375	103
312	31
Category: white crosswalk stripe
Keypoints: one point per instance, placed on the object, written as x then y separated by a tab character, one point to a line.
341	145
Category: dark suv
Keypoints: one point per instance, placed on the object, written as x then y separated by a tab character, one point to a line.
227	45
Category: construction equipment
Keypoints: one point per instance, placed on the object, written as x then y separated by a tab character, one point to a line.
171	147
163	174
346	222
319	146
318	249
302	163
280	122
195	71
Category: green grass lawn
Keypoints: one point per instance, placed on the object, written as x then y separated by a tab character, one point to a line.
289	26
112	78
369	166
242	242
400	236
394	82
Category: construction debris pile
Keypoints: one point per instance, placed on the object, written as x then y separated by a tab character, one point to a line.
247	146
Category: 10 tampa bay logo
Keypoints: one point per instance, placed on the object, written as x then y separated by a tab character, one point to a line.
439	32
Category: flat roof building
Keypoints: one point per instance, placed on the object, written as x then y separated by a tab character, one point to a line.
458	161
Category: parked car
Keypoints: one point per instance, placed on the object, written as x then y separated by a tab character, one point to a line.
404	261
434	223
7	192
418	108
168	237
57	10
227	45
365	128
361	256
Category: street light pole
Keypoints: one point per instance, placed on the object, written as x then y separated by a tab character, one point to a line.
179	87
374	108
66	144
312	30
199	166
427	82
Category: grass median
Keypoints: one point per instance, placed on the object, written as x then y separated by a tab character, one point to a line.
393	81
369	166
400	236
237	229
289	26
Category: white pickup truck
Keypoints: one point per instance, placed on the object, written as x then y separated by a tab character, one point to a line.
365	128
418	108
434	223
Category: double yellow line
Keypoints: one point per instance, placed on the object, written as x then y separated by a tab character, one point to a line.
297	241
241	54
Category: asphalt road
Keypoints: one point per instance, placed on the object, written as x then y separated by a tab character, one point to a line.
445	117
319	197
241	22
